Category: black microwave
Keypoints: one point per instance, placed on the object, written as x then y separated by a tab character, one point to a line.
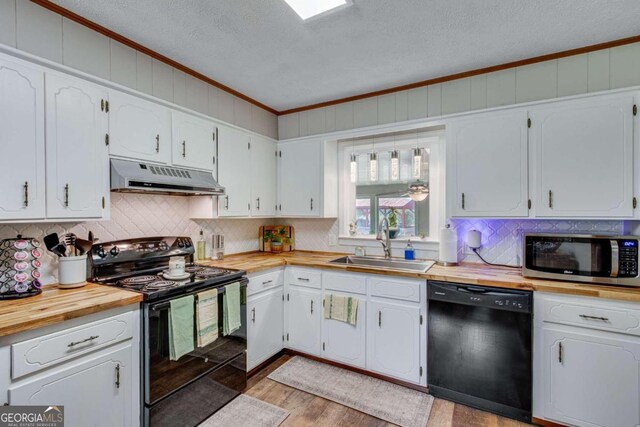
611	260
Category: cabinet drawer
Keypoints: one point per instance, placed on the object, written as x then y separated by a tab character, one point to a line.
45	351
602	315
407	290
351	283
264	281
304	277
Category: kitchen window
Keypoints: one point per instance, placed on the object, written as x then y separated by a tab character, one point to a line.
370	193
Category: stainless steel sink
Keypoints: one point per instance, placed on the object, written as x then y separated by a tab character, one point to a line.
386	264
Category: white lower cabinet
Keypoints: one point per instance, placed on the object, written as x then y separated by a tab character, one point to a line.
90	365
591	380
389	336
96	391
585	376
304	313
265	325
344	342
393	339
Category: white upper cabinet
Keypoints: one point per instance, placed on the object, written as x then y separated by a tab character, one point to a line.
234	172
584	157
139	129
194	141
77	157
487	165
307	179
263	173
22	195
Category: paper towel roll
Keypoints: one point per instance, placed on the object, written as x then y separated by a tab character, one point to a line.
448	246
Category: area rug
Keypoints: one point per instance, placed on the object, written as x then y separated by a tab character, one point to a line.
246	411
390	402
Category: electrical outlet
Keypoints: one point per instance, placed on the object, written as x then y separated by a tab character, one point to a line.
332	240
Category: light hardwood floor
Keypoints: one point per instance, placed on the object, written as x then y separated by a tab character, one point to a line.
309	410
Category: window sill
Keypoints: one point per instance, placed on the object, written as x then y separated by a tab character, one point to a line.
370	241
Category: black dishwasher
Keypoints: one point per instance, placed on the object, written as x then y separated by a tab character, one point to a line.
479	350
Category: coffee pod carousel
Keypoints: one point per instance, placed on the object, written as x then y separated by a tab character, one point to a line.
20	267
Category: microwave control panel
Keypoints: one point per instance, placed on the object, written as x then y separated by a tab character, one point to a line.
628	258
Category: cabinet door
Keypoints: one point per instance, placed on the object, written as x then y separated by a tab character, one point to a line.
21	141
343	342
139	129
234	172
393	326
95	392
584	155
591	380
304	308
194	141
265	326
264	177
77	156
488	165
299	179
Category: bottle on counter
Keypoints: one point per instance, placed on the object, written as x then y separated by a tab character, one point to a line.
201	247
409	253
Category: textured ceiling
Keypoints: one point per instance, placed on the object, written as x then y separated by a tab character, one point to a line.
264	50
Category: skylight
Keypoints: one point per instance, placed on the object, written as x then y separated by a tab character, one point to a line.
307	9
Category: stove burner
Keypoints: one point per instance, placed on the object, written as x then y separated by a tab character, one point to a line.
161	284
194	269
132	282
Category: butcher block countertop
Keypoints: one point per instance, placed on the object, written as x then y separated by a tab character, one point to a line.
56	305
468	273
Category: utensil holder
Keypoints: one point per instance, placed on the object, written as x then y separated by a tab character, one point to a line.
72	271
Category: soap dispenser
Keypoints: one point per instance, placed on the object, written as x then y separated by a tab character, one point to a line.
409	253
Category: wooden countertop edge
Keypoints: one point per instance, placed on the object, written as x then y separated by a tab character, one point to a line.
475	274
41	314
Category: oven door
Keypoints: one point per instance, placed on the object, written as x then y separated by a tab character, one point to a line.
164	377
581	256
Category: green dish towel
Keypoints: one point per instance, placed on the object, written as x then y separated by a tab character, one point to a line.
181	318
231	308
343	309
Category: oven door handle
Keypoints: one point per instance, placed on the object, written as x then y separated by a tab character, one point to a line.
615	258
166	304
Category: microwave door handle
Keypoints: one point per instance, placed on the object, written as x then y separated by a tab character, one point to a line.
615	258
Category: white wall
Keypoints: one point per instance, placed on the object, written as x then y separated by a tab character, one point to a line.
596	71
31	28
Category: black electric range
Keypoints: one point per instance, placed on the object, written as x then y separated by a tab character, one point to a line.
188	390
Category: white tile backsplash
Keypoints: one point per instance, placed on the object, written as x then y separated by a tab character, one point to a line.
502	238
140	215
144	215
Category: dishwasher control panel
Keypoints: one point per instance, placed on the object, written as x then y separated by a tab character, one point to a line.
482	296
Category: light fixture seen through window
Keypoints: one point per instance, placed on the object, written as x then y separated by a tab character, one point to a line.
395	166
418	191
354	168
307	9
373	167
417	162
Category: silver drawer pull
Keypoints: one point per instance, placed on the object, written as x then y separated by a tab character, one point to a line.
586	317
267	282
304	279
91	338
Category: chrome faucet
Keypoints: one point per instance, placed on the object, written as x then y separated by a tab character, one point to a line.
386	244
